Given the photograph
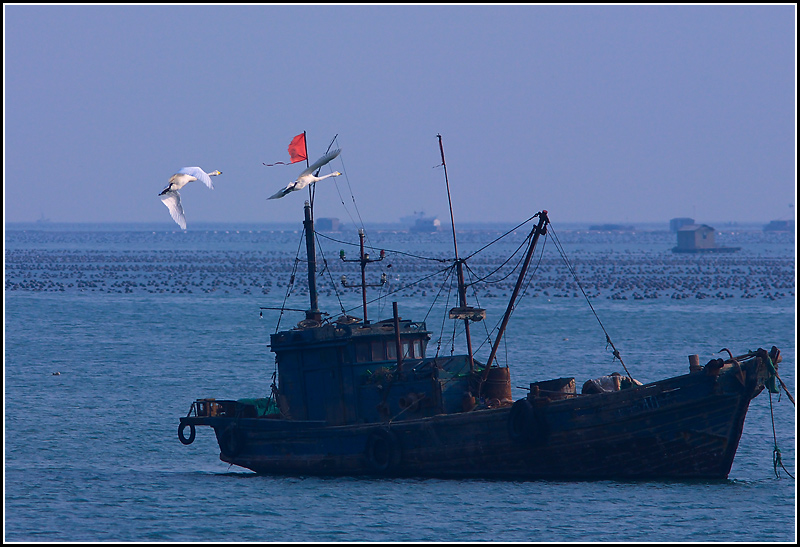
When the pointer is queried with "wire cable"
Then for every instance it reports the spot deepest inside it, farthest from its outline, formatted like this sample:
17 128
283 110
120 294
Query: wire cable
575 277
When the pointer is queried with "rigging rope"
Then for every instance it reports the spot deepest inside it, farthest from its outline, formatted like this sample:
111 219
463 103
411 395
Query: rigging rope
776 452
360 223
446 305
514 269
291 280
449 272
475 295
370 247
333 283
575 277
352 197
530 280
342 200
483 280
502 236
453 339
786 389
403 287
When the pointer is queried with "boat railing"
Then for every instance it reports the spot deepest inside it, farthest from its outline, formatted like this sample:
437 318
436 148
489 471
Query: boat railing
212 408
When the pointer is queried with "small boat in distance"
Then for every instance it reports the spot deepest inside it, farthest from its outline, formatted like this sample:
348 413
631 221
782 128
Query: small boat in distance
418 222
354 397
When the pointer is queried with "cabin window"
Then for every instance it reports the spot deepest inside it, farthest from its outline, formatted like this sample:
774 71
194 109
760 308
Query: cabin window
377 351
391 350
406 350
418 349
362 352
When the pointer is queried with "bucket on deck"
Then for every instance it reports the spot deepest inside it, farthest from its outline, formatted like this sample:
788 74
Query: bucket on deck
497 385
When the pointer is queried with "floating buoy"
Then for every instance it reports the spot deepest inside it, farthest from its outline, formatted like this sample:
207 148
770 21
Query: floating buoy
56 373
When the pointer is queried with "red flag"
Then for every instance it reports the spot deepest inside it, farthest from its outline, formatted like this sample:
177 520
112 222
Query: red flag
297 150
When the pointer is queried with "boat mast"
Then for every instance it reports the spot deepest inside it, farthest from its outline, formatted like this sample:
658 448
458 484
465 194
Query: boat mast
462 288
313 313
538 230
310 194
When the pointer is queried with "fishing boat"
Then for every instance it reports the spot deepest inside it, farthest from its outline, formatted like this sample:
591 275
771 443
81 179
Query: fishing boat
353 397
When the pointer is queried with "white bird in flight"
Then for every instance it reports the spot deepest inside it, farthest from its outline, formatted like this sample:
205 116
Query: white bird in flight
171 197
307 177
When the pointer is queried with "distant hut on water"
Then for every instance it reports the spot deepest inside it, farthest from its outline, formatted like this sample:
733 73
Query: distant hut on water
699 238
779 226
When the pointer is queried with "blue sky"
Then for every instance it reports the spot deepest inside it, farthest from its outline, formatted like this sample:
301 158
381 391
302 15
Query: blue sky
595 113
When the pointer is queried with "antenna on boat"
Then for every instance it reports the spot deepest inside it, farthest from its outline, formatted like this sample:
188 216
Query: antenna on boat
364 260
462 311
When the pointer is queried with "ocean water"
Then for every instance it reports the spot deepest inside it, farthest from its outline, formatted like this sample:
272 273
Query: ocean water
139 321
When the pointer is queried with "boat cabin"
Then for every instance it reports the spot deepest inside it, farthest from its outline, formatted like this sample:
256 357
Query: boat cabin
349 372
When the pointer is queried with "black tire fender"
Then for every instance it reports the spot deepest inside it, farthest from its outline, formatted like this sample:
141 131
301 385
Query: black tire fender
383 451
182 437
526 424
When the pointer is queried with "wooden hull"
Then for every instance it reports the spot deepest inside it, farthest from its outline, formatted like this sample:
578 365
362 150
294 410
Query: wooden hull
683 427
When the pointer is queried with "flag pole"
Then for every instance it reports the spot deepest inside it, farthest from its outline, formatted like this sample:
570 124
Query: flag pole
310 195
305 143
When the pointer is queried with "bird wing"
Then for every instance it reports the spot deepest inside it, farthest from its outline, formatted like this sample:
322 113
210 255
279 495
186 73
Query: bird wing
320 162
172 200
283 191
199 174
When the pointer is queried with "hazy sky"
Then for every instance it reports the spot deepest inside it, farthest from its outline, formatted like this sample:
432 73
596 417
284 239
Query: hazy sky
599 114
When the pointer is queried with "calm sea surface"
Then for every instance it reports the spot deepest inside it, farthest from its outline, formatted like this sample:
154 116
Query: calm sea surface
140 321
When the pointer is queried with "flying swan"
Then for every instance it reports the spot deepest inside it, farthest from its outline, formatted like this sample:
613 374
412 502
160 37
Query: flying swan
171 197
306 177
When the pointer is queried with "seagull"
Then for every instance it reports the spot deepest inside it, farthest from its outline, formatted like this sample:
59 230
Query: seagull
171 197
306 177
